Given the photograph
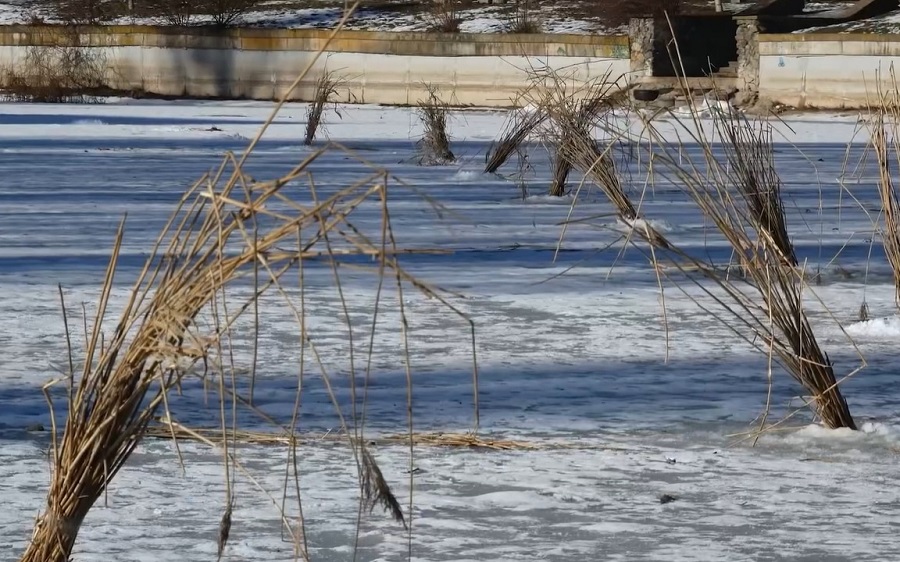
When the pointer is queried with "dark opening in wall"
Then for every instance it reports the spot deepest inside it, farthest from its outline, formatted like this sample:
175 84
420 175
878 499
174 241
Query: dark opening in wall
705 43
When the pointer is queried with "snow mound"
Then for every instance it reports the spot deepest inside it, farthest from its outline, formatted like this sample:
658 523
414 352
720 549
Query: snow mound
876 328
706 108
659 226
869 432
546 198
466 175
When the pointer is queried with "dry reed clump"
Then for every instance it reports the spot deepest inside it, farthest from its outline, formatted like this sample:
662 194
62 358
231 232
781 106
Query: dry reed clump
519 126
211 241
885 143
751 160
523 20
326 90
740 196
228 12
573 115
90 12
65 73
564 117
227 229
574 124
443 16
434 146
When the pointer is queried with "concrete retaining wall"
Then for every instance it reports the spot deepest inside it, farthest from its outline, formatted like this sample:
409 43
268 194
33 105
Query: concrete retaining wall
386 68
826 70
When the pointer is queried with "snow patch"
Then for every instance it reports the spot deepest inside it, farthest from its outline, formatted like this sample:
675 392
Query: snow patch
642 225
544 198
705 108
467 175
88 122
876 328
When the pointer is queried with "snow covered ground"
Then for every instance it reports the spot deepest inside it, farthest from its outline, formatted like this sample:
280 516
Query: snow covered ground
562 16
384 16
888 23
574 363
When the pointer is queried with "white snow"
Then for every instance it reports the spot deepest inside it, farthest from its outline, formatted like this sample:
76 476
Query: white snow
474 19
570 339
876 328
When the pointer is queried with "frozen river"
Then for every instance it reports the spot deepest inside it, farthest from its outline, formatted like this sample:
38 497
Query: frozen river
572 357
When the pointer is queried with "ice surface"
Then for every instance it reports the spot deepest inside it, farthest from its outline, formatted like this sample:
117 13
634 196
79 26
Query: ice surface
570 339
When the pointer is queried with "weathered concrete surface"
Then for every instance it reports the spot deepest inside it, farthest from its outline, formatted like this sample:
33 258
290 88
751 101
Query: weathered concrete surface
826 71
747 38
373 67
641 32
259 39
366 78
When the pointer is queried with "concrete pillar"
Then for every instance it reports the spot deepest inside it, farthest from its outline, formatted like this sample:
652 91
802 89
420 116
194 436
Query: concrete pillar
747 38
641 35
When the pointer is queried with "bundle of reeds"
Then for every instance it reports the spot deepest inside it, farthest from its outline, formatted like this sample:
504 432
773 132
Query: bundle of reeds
434 146
574 118
226 228
207 244
885 142
741 197
749 152
326 90
577 148
522 122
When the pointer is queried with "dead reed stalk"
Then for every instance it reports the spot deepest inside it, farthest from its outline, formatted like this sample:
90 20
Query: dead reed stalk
885 130
63 73
204 249
749 150
326 89
434 146
742 201
444 16
523 20
226 229
522 122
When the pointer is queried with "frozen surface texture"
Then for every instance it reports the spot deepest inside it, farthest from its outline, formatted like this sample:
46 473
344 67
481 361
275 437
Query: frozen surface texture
572 353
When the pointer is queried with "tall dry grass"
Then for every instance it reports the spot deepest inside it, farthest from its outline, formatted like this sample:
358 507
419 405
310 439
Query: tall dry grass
735 185
325 91
737 189
443 16
227 229
750 156
885 143
434 146
63 73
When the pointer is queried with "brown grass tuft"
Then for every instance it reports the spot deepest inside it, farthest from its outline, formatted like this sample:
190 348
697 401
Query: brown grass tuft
885 141
227 228
326 89
376 490
64 73
766 306
523 20
434 146
443 16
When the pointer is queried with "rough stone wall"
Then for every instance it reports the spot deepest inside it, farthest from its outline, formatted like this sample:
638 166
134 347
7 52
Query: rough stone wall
748 58
641 32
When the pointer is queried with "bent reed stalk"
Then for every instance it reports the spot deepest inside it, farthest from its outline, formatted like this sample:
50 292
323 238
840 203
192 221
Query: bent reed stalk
205 247
741 196
736 186
885 144
227 228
